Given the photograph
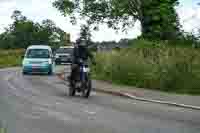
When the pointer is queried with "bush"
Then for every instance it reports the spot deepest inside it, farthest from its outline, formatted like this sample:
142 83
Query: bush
163 68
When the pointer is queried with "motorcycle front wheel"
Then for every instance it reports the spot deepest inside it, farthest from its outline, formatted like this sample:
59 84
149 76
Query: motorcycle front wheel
72 90
87 89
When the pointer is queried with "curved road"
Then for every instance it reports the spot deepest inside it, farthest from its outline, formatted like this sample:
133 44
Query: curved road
39 104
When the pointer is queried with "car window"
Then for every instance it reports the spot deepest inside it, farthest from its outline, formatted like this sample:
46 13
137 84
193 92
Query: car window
64 50
38 53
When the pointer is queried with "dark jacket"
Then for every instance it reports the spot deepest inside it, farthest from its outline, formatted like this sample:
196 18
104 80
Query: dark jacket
81 52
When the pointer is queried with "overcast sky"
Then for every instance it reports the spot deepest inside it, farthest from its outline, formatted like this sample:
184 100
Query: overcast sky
38 10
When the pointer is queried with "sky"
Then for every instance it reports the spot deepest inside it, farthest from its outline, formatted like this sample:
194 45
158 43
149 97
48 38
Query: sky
38 10
189 14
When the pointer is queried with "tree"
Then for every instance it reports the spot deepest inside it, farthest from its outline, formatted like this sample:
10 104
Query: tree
17 16
158 17
85 34
24 32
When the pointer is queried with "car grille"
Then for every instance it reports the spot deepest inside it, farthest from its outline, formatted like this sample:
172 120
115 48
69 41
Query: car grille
36 62
36 69
63 56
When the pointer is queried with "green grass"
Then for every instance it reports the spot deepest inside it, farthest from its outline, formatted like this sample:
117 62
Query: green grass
163 68
10 58
142 43
2 130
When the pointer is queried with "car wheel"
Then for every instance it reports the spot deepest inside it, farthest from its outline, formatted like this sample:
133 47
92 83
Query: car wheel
50 71
24 72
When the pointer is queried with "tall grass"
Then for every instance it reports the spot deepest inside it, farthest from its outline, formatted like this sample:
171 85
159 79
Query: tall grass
10 58
162 68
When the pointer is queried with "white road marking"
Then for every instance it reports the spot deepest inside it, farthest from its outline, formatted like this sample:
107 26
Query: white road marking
90 112
94 93
11 86
31 116
58 103
134 103
162 102
59 115
7 78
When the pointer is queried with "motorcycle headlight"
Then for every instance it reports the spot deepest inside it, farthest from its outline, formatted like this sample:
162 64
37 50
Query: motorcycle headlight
56 56
50 61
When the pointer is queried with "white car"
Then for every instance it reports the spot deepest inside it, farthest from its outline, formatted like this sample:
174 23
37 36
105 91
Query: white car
64 54
38 59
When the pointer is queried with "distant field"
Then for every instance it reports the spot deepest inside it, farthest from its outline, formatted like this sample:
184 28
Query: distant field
10 58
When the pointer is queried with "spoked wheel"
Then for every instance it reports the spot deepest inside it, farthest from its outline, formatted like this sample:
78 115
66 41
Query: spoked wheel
72 91
87 90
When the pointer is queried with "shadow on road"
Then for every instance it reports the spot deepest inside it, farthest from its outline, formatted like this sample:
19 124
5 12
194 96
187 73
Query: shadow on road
38 74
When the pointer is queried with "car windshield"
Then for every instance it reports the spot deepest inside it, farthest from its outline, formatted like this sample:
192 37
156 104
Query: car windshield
64 50
38 53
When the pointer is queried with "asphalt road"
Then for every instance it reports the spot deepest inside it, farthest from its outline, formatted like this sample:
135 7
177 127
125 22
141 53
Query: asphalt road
39 104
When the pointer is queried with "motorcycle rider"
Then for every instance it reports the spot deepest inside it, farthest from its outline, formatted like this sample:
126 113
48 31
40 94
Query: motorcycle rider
80 52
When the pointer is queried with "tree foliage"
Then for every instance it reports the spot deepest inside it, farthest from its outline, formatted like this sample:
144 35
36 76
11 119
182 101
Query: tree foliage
158 18
24 32
85 34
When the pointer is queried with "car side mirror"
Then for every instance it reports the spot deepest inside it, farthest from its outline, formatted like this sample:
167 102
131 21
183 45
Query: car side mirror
22 56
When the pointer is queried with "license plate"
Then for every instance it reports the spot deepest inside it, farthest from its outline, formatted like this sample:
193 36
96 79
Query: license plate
78 85
63 59
35 66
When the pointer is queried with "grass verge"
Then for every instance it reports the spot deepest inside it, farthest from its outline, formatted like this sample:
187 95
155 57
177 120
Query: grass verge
163 68
10 58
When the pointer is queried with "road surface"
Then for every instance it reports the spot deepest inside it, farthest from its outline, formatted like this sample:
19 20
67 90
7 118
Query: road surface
39 104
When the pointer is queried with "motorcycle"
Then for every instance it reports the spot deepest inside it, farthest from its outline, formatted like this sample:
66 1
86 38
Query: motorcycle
82 83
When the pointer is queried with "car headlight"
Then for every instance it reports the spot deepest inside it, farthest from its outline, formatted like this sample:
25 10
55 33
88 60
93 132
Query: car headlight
46 62
25 62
